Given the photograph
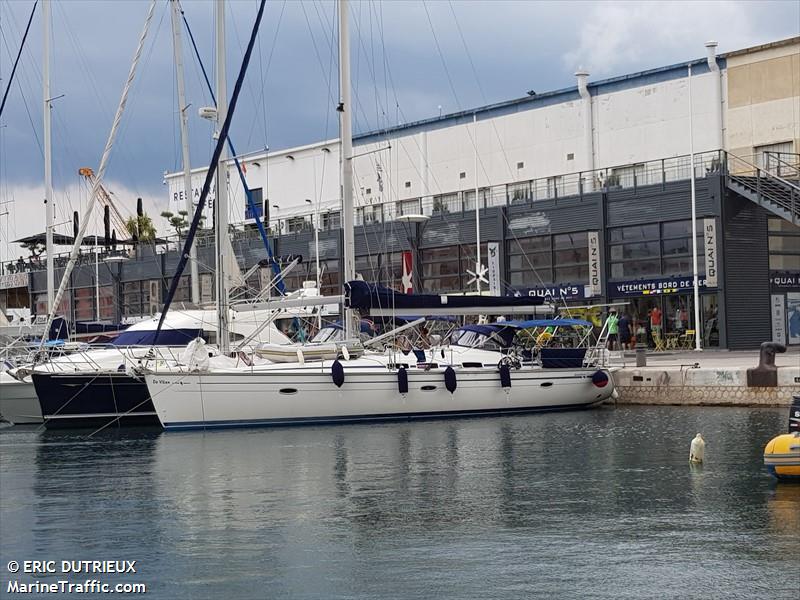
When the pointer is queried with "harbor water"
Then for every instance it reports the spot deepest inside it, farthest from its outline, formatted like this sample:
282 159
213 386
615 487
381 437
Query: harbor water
592 504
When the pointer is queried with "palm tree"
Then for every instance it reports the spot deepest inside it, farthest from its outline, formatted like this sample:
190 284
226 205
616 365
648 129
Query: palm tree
141 227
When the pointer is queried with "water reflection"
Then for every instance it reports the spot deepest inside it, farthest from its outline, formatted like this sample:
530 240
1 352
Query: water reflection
407 510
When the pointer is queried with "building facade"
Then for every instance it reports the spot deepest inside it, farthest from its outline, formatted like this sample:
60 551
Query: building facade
584 194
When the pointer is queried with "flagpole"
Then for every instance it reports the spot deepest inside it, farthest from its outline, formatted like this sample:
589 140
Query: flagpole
695 276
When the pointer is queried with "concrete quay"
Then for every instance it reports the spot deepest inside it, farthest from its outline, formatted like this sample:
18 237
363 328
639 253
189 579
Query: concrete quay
707 378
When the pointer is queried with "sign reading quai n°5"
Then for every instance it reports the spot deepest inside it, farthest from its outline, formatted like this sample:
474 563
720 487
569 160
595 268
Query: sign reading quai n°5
594 288
710 250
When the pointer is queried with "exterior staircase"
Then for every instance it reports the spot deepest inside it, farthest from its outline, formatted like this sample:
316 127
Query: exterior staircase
775 193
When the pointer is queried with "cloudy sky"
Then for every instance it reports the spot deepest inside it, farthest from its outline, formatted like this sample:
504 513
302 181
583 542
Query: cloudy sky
410 60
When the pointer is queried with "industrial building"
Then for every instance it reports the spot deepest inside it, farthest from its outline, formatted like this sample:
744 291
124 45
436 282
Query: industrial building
584 196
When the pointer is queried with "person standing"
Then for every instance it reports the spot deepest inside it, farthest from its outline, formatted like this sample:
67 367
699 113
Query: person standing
612 325
624 326
655 320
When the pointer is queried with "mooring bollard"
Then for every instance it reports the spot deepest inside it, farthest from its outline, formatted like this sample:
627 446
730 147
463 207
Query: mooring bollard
641 357
766 373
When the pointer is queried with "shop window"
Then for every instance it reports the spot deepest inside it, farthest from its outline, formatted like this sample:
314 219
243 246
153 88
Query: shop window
635 269
635 251
784 262
469 258
570 240
784 243
677 246
781 225
681 266
576 273
677 229
633 233
369 268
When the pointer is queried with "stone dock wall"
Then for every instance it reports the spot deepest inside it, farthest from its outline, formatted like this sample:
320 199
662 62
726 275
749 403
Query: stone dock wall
702 387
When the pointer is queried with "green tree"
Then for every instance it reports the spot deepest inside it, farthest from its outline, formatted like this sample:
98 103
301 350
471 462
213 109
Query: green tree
141 228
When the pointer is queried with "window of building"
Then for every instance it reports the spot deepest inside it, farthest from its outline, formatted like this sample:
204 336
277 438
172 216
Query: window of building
530 261
331 220
257 194
408 184
654 250
571 257
369 214
446 203
633 232
469 198
139 297
441 270
84 304
297 224
784 245
520 165
519 193
369 268
409 207
462 175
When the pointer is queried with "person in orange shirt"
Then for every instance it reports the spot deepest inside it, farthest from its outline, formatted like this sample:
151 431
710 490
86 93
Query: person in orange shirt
655 319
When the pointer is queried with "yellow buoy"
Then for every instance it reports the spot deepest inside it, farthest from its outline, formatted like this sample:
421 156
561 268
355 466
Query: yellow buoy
697 450
782 456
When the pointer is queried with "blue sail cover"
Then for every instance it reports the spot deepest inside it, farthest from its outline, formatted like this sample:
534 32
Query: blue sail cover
363 296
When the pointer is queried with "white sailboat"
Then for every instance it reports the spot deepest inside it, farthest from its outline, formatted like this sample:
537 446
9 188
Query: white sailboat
453 380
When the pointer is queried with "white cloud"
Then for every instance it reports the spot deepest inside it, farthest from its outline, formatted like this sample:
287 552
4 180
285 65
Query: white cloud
616 37
26 211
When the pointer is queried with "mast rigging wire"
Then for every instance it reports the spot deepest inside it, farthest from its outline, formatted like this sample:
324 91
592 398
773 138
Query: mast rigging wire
223 138
16 60
65 279
276 268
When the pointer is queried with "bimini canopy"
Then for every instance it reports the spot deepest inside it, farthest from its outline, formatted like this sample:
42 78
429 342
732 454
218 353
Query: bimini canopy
493 331
546 323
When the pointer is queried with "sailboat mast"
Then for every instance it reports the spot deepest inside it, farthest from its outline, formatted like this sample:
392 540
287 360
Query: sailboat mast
184 120
221 202
50 208
346 136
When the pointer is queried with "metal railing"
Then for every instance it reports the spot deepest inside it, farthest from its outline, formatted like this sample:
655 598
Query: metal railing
564 186
770 189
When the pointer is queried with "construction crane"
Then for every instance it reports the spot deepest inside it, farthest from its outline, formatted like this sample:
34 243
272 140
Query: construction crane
105 197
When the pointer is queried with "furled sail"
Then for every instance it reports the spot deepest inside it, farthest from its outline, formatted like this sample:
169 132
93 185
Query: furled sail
365 296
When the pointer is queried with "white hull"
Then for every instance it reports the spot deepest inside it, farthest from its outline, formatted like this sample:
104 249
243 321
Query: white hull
18 401
302 395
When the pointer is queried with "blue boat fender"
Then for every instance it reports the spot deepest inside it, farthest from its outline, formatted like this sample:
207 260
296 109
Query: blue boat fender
402 380
337 373
450 379
505 376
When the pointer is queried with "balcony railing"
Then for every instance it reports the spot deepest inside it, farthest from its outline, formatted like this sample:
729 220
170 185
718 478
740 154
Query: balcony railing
566 186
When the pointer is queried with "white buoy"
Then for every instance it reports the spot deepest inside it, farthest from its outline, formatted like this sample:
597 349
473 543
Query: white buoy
697 450
301 357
